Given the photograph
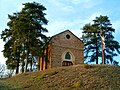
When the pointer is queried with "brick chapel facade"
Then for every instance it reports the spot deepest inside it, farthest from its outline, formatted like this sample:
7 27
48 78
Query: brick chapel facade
64 49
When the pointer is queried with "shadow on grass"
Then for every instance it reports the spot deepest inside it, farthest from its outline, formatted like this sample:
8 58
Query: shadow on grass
4 86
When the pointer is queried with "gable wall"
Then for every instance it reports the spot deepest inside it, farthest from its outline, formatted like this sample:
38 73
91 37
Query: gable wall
60 44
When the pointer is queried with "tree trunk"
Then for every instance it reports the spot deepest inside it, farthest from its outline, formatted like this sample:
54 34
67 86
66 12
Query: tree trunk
17 67
23 65
26 61
27 58
96 55
31 65
18 61
96 52
38 64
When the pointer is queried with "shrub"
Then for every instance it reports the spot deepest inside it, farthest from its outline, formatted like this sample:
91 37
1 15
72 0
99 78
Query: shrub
87 66
53 72
82 73
77 84
41 76
45 75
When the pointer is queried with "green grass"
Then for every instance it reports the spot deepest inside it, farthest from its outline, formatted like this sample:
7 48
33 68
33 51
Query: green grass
79 77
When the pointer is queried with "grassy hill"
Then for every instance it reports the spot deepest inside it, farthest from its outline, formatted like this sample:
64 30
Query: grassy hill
78 77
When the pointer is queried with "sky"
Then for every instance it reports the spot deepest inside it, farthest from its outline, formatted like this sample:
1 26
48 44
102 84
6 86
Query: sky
65 14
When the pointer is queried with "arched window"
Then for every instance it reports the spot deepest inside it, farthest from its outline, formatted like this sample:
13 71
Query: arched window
67 56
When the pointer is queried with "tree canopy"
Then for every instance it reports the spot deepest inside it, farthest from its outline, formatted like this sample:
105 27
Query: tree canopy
92 41
24 38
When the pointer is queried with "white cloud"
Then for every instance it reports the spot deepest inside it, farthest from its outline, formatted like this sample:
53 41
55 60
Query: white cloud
91 3
55 2
116 25
2 59
98 13
61 5
94 15
76 2
86 3
60 25
68 9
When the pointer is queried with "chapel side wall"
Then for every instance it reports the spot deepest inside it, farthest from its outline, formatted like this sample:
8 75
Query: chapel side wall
56 56
60 44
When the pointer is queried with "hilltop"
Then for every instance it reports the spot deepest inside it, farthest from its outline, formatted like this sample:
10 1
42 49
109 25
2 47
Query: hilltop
78 77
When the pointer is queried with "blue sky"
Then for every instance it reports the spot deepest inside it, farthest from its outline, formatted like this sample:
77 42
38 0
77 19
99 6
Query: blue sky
66 14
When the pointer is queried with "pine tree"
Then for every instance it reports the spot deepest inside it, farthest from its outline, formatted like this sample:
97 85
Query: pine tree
25 37
92 41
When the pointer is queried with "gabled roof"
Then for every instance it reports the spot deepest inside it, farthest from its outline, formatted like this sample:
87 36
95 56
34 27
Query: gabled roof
64 32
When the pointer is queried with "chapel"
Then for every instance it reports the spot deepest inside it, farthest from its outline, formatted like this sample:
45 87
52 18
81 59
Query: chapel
63 49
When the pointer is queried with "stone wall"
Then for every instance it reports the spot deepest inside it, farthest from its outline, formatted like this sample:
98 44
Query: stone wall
64 42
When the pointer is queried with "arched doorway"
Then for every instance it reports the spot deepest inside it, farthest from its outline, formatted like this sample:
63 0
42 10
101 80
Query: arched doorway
67 58
67 63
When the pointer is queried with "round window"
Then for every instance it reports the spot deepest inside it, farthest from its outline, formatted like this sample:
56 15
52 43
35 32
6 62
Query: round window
68 36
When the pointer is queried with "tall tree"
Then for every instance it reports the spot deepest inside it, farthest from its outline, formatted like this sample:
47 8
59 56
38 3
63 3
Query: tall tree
25 37
92 34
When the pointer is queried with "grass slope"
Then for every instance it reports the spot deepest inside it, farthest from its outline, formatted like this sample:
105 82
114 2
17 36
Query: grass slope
78 77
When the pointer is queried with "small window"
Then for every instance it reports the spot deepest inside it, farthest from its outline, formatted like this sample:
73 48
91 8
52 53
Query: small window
68 36
67 56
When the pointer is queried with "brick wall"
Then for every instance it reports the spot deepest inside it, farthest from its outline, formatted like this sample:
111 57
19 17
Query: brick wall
60 44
